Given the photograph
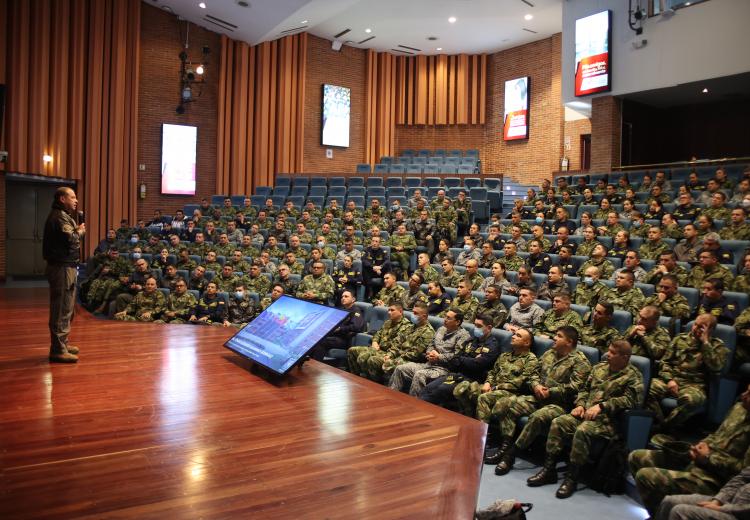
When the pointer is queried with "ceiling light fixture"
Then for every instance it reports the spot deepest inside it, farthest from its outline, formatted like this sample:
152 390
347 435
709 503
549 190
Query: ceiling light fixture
368 30
705 91
528 17
452 19
304 21
202 5
47 158
439 49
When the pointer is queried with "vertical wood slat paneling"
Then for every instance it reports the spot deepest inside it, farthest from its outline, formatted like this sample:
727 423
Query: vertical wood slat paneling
261 112
482 89
76 121
58 112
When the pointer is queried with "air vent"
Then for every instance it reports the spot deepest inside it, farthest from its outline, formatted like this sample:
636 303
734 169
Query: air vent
339 35
402 51
527 3
300 28
366 40
243 3
219 22
529 30
410 48
432 38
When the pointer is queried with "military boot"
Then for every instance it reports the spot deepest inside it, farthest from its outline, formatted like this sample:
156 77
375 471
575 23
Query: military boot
507 461
505 444
63 357
546 475
570 484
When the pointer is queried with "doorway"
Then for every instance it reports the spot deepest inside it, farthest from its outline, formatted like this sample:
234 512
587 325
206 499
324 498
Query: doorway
585 151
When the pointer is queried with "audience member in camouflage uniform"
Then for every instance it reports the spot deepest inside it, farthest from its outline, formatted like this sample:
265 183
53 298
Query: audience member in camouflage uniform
147 305
625 296
402 246
652 248
713 461
512 261
317 287
414 295
598 259
646 337
683 372
412 350
667 265
241 308
554 285
492 307
669 302
464 301
449 277
590 290
709 267
560 314
226 281
562 372
425 270
179 305
448 340
472 274
390 293
599 334
391 335
737 228
612 386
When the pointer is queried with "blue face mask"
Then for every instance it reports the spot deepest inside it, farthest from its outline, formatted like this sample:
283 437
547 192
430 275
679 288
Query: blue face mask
239 295
478 333
588 281
636 223
135 256
133 240
321 244
467 248
539 220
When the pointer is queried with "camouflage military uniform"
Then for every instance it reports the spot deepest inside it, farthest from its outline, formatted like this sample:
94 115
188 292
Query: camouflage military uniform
550 322
590 296
226 284
260 284
721 213
300 253
698 275
143 303
389 296
654 276
672 231
652 345
408 244
512 264
445 219
613 230
412 350
675 307
652 250
295 267
241 312
468 306
525 229
429 273
657 475
606 269
615 391
735 232
322 287
630 300
686 361
639 231
476 280
564 377
495 310
451 280
742 323
510 375
274 252
390 336
181 304
212 266
586 247
409 299
546 246
289 285
103 285
548 291
598 338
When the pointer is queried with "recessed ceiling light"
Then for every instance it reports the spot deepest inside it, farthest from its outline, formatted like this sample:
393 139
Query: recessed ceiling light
452 19
439 49
368 30
705 91
303 21
202 5
528 17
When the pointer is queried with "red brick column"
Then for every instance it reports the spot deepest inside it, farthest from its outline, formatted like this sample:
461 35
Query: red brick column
606 132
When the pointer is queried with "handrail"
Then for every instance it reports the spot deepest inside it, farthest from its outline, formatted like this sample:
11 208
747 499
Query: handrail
696 163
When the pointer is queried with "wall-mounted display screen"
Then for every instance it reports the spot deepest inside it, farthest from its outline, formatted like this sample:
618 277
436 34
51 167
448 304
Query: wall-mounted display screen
593 54
336 110
284 332
516 121
178 144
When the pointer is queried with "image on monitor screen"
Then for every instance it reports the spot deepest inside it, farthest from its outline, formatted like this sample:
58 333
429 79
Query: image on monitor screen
336 109
593 53
285 332
178 153
516 111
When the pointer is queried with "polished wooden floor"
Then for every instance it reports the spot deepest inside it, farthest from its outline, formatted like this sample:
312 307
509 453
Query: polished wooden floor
161 421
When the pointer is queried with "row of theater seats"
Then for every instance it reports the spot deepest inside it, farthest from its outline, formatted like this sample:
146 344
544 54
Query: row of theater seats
679 174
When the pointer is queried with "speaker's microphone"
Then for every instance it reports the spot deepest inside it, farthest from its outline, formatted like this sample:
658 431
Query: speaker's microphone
81 218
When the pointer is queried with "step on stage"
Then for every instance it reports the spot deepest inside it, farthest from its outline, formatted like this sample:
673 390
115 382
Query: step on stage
162 421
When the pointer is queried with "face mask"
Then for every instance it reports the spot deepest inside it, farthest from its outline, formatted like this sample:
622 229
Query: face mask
136 255
636 223
746 203
133 240
321 244
588 281
478 333
239 295
394 208
467 249
539 220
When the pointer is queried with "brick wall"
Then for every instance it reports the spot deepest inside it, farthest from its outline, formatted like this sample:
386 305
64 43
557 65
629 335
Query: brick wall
159 95
347 68
574 130
605 133
528 160
533 159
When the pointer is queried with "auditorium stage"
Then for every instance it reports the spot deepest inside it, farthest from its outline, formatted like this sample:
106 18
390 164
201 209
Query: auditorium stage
162 421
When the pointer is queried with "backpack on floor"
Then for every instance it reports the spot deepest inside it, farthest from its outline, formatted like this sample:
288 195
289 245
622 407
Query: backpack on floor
608 476
504 510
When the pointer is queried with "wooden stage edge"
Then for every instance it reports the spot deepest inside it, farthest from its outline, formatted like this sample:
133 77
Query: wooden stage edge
162 421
